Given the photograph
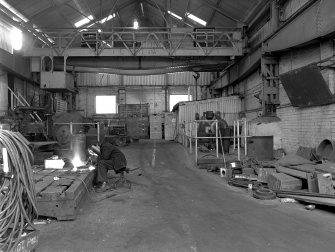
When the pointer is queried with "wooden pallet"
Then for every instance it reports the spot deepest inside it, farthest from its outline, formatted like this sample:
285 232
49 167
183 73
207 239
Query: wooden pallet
60 198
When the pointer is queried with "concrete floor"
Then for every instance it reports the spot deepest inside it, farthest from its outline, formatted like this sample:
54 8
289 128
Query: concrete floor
175 207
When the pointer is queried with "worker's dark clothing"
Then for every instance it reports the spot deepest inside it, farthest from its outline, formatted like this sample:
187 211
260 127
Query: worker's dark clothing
110 158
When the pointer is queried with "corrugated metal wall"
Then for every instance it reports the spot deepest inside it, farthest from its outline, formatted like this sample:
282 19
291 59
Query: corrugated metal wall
186 78
100 79
230 106
173 79
152 80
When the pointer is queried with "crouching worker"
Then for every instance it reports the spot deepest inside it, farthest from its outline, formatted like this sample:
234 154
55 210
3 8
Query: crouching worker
109 158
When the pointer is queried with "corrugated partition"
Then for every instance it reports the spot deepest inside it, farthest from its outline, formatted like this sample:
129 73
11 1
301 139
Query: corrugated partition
231 107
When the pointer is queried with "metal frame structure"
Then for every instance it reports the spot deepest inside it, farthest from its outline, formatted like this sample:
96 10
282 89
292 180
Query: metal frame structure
71 127
142 42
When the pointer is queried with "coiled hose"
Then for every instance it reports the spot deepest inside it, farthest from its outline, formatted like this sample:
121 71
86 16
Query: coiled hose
17 191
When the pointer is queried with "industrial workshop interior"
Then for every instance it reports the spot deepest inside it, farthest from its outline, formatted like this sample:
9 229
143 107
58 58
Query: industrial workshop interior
167 125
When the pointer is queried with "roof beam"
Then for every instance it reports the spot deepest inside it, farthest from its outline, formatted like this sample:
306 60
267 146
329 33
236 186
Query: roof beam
223 12
213 13
45 11
163 9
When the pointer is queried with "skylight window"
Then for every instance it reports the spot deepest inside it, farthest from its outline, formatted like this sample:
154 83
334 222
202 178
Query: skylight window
13 10
196 19
16 37
107 18
84 21
175 15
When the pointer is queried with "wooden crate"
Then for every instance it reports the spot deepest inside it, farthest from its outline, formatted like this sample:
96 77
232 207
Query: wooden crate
60 198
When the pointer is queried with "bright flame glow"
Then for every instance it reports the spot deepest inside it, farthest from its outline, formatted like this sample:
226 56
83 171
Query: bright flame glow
83 21
175 15
107 18
196 19
16 37
136 25
77 162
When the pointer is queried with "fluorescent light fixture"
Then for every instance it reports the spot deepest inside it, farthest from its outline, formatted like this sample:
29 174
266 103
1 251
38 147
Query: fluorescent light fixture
196 19
90 25
16 37
83 21
175 15
136 24
13 10
142 9
107 18
50 39
107 44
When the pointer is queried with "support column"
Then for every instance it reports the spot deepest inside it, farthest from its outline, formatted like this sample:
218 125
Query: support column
270 89
3 93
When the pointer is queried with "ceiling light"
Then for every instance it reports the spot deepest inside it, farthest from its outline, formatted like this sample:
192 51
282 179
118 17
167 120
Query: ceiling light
16 37
99 30
196 19
107 18
136 24
175 15
13 10
84 21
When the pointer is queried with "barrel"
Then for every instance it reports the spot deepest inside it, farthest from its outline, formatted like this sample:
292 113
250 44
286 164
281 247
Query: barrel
326 150
78 145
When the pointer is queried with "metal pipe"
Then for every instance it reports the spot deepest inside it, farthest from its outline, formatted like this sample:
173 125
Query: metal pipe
245 136
71 128
216 138
196 143
98 132
190 137
238 141
234 135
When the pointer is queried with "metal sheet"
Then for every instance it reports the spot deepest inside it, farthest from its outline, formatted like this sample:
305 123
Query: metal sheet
306 87
316 21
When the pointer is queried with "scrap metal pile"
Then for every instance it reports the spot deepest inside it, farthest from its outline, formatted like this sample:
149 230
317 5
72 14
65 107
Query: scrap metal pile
306 176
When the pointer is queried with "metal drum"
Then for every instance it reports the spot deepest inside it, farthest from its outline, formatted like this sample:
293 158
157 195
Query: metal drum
78 145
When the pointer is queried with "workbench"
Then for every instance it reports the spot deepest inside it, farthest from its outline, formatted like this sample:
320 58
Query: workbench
60 198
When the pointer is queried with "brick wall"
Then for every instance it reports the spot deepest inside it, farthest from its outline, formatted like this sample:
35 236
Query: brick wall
306 126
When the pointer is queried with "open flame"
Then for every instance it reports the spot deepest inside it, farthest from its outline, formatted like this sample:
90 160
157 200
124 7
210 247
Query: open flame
77 162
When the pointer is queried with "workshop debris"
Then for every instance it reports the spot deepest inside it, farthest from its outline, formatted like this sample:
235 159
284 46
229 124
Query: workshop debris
310 207
301 177
283 181
287 200
264 194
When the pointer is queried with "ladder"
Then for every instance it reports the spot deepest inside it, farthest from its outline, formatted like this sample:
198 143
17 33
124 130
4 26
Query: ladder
22 101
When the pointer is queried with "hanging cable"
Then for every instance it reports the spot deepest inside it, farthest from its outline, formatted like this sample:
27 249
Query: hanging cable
17 191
